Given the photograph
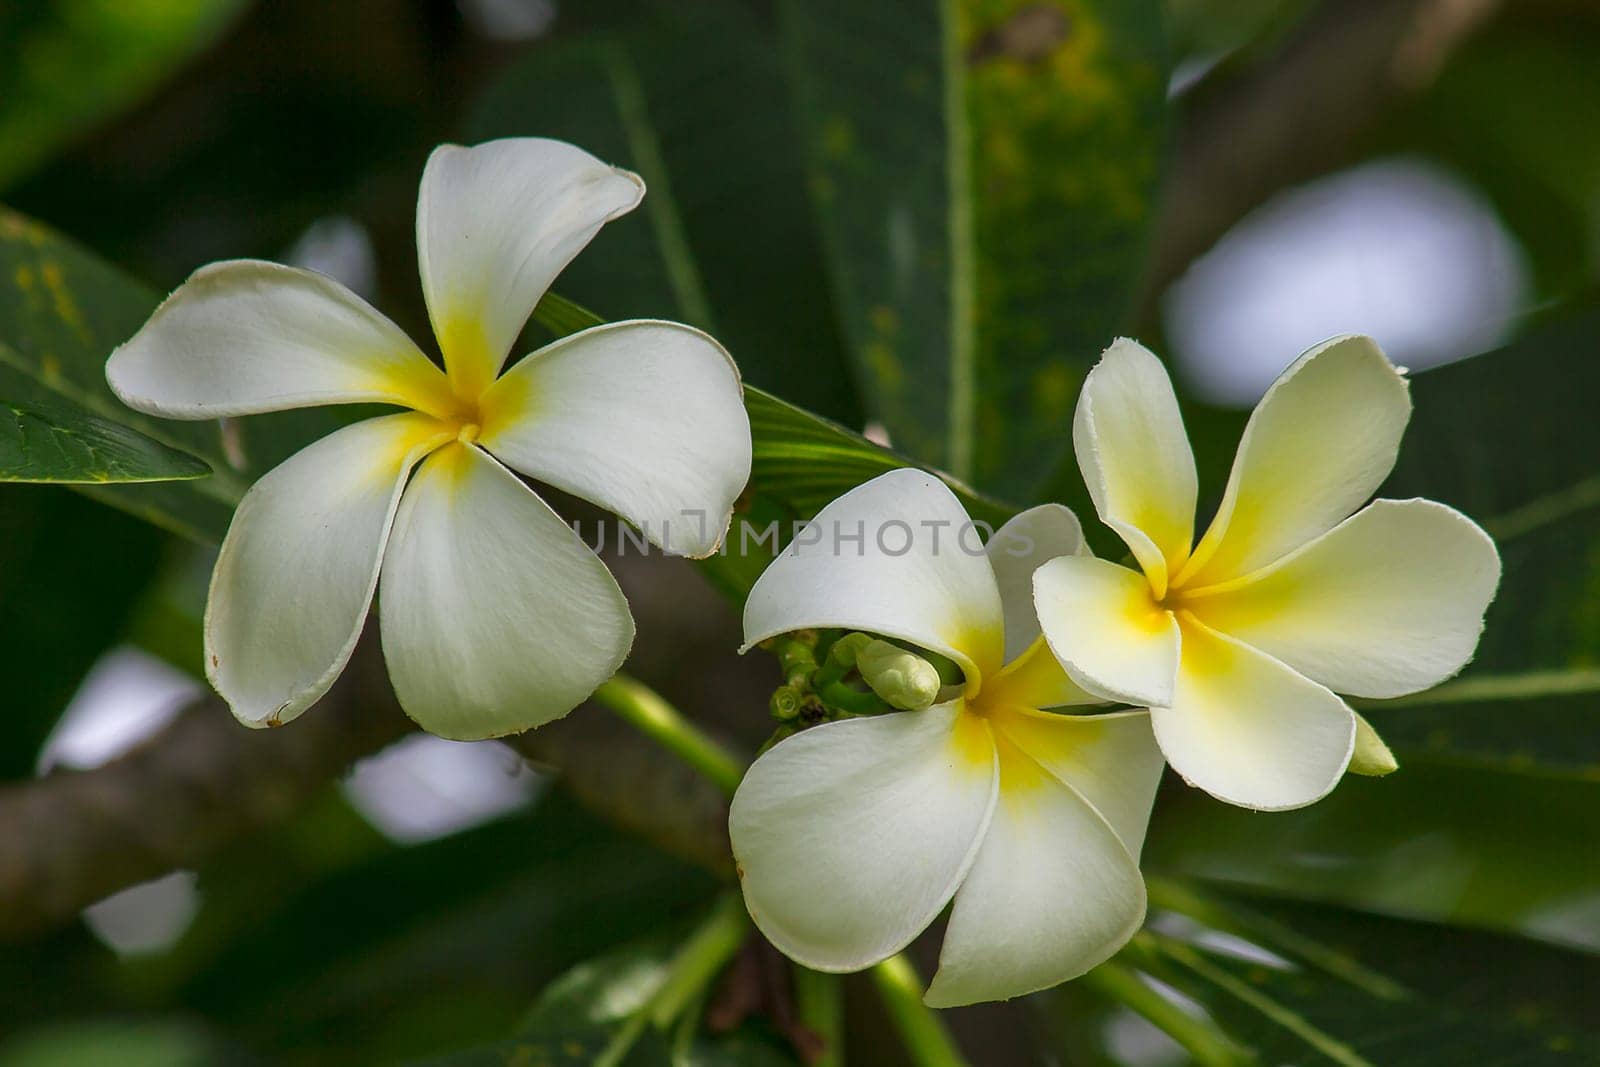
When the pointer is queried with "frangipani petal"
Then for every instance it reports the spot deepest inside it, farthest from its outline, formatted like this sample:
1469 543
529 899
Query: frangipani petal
851 836
644 418
495 224
495 616
291 586
1135 457
245 336
1388 602
1250 731
1110 760
1103 626
1052 893
1316 447
887 557
1029 539
1036 680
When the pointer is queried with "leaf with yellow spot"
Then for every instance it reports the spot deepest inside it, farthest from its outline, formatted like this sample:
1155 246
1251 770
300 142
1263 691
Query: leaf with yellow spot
991 166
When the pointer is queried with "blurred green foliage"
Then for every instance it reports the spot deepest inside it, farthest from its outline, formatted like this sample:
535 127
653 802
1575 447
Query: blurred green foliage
67 66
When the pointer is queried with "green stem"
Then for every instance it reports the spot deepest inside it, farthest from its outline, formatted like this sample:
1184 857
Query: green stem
643 708
700 958
696 963
927 1041
843 697
1206 1045
819 1001
682 1050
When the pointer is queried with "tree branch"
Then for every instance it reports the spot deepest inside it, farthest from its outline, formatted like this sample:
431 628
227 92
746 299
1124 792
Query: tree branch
74 837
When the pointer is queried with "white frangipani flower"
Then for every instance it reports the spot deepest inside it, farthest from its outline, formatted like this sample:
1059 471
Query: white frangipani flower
495 617
1238 644
852 836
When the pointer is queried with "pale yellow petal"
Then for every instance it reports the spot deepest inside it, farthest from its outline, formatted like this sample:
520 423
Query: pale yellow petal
1036 679
1250 731
1107 631
1052 893
1388 602
496 223
1111 760
1317 446
1017 549
1135 457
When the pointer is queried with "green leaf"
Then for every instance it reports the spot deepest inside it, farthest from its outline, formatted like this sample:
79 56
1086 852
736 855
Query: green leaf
1510 438
60 444
800 462
694 99
1474 971
62 312
68 65
984 172
1290 999
604 990
1431 842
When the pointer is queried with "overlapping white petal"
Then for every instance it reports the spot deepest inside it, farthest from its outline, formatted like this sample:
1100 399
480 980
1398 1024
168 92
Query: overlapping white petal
1316 447
495 616
1111 760
495 224
1388 602
246 336
1018 548
1036 679
1249 730
291 586
885 557
1052 893
644 418
1135 457
852 836
1107 631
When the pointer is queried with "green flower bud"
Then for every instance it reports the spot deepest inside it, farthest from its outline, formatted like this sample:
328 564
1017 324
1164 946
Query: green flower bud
785 703
1372 757
845 650
903 679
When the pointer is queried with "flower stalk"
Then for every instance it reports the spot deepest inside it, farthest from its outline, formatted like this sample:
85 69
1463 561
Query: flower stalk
700 959
819 1003
645 709
926 1039
1121 983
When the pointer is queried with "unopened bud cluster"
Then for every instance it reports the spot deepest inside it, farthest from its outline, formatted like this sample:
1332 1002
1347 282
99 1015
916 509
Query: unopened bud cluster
832 676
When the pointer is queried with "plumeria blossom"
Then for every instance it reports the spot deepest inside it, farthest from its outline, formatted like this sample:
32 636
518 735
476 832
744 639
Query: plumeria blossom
495 617
1239 643
852 836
